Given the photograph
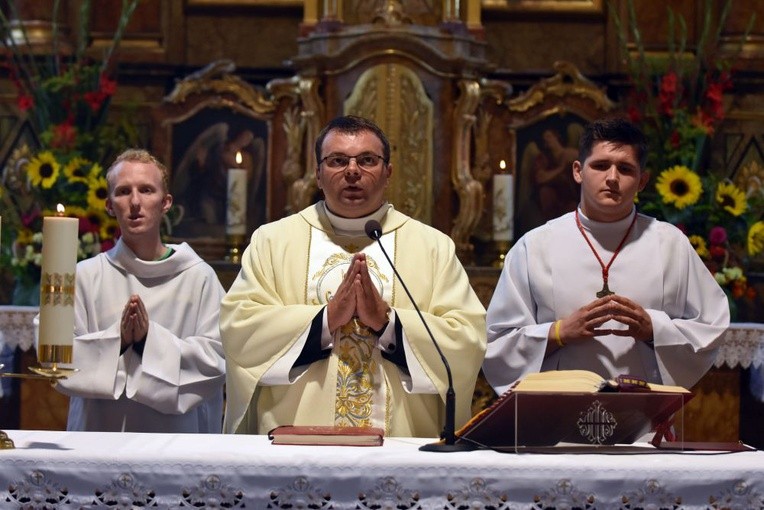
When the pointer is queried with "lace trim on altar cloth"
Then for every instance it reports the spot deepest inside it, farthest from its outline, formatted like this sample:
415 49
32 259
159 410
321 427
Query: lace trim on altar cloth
742 345
16 327
38 491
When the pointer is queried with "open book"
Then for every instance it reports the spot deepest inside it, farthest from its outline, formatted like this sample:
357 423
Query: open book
584 381
327 435
573 407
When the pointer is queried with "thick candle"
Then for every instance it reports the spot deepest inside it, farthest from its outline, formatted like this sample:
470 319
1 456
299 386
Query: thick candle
503 205
59 261
236 205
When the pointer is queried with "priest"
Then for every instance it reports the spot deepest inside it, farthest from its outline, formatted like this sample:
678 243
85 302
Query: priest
605 288
317 329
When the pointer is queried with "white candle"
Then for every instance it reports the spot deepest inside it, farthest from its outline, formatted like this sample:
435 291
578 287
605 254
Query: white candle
236 206
59 262
503 205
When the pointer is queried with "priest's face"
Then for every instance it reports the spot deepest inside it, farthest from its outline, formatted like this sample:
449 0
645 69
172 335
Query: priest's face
352 174
610 178
137 198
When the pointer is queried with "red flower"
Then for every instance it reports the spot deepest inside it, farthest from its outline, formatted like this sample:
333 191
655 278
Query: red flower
738 289
668 83
94 100
64 135
86 226
634 114
108 87
25 102
717 235
107 245
667 93
675 140
717 252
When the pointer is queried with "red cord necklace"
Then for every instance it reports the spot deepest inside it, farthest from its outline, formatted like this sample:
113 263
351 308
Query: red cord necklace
605 268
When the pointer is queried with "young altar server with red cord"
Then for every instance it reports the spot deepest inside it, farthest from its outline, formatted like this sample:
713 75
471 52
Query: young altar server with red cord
605 288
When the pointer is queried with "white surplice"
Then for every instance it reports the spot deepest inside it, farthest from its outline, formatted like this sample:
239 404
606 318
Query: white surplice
177 384
551 272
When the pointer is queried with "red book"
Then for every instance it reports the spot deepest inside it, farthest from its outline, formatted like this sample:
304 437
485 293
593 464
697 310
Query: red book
327 435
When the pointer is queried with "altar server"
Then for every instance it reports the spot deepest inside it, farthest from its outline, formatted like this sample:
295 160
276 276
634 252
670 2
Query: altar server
147 343
605 288
317 329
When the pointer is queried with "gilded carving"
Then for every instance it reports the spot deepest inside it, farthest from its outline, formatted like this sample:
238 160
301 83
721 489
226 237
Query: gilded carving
567 82
393 96
299 167
750 178
216 78
470 191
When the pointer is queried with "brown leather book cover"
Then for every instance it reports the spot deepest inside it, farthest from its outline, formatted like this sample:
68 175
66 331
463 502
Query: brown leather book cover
327 435
610 415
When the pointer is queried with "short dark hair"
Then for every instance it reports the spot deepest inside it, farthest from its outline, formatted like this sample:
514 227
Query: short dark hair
616 130
352 124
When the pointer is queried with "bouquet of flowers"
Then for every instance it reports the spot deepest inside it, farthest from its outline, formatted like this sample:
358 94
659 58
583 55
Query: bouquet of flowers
678 101
65 96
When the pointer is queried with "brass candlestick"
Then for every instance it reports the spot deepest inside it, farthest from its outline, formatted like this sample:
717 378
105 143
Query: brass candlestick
49 357
235 243
52 373
502 247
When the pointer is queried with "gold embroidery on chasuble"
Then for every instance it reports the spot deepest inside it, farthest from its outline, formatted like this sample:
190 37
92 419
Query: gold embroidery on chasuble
361 393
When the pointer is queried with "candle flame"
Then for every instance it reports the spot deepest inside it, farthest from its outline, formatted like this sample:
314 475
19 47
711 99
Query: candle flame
60 209
238 158
502 165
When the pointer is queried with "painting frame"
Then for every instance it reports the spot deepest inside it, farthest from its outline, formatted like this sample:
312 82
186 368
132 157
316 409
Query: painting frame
208 121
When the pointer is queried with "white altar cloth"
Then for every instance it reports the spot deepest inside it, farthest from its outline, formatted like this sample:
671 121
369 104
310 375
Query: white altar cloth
67 470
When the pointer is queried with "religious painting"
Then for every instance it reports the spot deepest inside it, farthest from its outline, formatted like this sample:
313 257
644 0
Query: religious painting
546 7
545 152
203 149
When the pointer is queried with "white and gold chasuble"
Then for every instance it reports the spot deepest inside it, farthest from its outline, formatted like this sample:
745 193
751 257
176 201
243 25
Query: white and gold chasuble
362 396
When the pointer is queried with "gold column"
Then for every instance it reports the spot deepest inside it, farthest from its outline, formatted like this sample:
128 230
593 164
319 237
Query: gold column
310 12
450 11
332 10
473 14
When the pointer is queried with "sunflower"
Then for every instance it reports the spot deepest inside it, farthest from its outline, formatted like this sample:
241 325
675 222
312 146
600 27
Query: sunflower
43 170
77 169
98 193
96 171
680 186
109 228
731 198
95 219
756 238
700 246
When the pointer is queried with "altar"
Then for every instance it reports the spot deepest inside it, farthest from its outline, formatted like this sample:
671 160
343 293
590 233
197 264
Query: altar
67 470
714 413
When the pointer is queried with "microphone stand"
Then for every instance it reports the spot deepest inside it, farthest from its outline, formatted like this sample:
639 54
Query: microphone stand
448 435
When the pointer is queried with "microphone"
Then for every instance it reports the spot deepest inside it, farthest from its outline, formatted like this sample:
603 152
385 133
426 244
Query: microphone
374 231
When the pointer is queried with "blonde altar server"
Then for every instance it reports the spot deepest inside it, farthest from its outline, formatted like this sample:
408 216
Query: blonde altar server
605 288
147 343
316 329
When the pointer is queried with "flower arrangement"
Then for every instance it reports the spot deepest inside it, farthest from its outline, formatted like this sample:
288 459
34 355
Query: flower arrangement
678 101
65 96
35 184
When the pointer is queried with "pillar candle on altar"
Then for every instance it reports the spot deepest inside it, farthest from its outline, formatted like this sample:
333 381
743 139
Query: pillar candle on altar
59 262
503 204
236 205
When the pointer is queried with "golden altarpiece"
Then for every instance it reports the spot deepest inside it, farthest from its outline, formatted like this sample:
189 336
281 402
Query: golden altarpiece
419 72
